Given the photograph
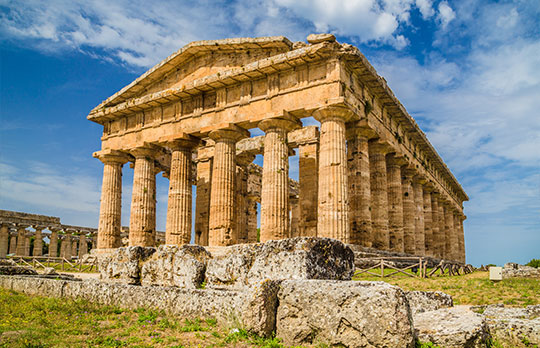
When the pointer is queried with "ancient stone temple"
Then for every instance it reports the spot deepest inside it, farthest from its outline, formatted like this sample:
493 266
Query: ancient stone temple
367 175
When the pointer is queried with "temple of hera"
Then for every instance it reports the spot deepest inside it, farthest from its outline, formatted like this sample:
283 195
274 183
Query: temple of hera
367 174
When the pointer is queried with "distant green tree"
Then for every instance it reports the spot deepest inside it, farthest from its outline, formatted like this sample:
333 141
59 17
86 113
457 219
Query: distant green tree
534 263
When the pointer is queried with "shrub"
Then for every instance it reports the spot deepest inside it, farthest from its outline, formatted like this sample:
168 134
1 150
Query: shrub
534 263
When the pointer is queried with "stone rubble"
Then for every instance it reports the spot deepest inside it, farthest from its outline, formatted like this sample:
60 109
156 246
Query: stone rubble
512 270
425 301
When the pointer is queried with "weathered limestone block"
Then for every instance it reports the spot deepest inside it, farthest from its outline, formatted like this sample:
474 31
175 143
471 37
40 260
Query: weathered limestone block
425 301
259 314
318 38
9 267
183 266
343 314
456 327
123 264
513 327
294 258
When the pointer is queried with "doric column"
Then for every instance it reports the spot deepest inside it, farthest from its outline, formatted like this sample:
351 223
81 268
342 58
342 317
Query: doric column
74 247
27 245
380 238
456 237
419 223
252 219
110 210
295 217
38 241
428 220
359 184
308 175
142 222
202 200
442 229
178 227
4 239
395 202
333 209
21 239
67 247
448 231
241 198
435 227
462 238
409 211
53 243
13 240
222 229
83 245
275 179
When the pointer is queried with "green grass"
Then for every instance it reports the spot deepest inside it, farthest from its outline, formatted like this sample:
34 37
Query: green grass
473 289
34 321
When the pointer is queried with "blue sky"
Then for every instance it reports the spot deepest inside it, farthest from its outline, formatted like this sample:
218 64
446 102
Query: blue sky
468 71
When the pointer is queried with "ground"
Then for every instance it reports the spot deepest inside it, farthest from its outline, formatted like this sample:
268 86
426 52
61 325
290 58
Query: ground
31 321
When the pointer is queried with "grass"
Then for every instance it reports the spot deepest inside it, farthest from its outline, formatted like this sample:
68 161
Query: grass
472 289
33 321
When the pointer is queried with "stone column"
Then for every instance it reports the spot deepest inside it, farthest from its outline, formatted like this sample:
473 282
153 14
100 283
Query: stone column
252 219
448 231
442 229
462 239
142 222
308 175
395 202
13 241
53 243
359 186
241 199
435 227
38 241
222 229
275 179
74 247
178 228
110 210
83 245
333 210
379 195
21 239
4 239
419 223
27 246
409 211
428 221
66 247
202 201
295 216
456 237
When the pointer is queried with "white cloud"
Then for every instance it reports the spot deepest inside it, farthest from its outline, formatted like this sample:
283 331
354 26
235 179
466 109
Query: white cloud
426 8
446 14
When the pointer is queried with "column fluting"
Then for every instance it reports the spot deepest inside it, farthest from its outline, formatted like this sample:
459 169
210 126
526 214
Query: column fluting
241 198
275 179
419 223
142 222
428 220
395 202
333 195
4 240
53 243
222 229
409 211
38 241
380 238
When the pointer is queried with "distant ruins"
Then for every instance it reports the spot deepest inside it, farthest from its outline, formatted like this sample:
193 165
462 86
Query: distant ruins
367 176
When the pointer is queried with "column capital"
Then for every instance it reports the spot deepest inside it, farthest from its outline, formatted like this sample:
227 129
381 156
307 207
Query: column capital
419 179
288 124
180 141
379 147
39 227
334 112
356 129
396 160
229 131
22 225
243 159
111 156
147 150
408 172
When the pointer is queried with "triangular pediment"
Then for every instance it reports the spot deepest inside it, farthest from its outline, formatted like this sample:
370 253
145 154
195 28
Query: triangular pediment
199 59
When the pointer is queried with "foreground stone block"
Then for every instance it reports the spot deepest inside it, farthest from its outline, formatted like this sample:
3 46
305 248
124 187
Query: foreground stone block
254 308
456 327
425 301
9 267
343 314
123 264
172 265
294 258
514 327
